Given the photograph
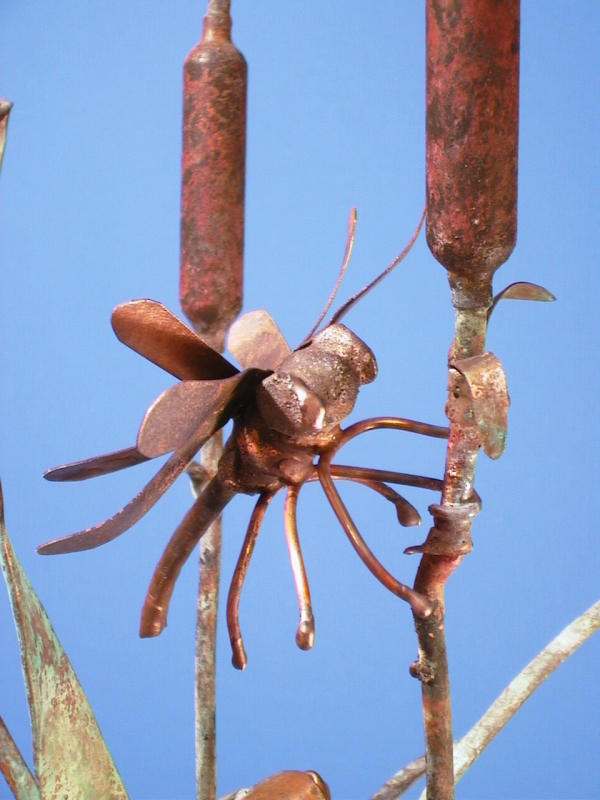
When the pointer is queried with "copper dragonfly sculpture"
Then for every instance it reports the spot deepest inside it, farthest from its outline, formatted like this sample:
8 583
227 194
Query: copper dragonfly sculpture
286 408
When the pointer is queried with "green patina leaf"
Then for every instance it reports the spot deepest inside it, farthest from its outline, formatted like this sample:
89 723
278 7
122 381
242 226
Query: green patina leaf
15 770
70 756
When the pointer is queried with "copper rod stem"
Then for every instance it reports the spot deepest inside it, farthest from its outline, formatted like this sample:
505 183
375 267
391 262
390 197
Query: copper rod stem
211 264
238 657
472 57
419 604
305 634
205 647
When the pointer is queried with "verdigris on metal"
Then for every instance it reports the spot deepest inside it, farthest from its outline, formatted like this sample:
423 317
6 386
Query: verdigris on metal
15 770
70 756
487 385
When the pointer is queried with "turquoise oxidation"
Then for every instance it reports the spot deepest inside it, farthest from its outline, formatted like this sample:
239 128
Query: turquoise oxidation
70 756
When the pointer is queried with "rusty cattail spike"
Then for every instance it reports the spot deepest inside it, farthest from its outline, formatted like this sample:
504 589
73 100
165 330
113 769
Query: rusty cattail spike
472 130
212 200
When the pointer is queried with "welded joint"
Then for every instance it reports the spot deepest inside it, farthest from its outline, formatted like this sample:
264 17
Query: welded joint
451 532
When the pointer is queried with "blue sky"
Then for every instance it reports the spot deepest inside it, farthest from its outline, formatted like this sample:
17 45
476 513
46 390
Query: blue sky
89 214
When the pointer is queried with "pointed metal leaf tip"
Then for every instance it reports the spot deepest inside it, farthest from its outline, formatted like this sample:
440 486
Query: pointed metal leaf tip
14 769
522 290
70 756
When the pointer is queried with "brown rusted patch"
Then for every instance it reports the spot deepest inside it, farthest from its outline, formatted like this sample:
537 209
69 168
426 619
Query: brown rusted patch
472 133
212 188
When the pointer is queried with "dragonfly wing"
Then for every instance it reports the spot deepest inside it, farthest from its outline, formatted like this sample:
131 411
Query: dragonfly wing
152 331
256 341
98 465
224 402
177 413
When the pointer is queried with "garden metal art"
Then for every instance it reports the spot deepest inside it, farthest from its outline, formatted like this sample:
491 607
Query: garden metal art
286 407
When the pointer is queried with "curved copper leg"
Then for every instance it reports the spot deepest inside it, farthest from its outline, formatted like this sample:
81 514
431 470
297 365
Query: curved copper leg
305 634
201 515
419 604
393 423
238 658
407 514
386 476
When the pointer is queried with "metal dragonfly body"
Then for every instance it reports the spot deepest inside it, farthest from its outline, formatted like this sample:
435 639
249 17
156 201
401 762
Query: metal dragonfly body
286 407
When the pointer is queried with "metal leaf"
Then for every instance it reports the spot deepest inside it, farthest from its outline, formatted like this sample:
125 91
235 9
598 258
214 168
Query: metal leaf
16 772
70 756
486 382
523 290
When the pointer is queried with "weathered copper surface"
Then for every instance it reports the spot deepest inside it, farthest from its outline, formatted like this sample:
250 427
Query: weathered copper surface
472 132
210 283
486 383
212 187
69 753
283 420
472 136
14 769
291 785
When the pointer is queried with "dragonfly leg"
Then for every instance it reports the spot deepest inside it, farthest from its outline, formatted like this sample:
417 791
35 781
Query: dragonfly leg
386 476
305 634
238 658
194 525
419 604
392 423
407 514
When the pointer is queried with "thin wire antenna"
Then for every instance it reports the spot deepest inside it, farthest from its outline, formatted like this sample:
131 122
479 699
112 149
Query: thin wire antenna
349 244
343 310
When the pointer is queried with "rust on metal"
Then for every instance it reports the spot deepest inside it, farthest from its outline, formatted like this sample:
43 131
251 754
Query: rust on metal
210 289
212 187
472 141
472 134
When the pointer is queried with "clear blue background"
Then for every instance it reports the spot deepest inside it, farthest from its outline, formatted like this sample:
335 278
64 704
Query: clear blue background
89 218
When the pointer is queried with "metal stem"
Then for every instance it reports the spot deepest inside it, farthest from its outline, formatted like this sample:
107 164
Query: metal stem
212 236
472 134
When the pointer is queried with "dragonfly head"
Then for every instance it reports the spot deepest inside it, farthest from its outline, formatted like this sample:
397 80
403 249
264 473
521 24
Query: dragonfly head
315 387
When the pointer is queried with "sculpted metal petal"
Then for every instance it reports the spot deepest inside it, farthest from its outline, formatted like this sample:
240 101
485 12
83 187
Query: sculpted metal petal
152 331
256 341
